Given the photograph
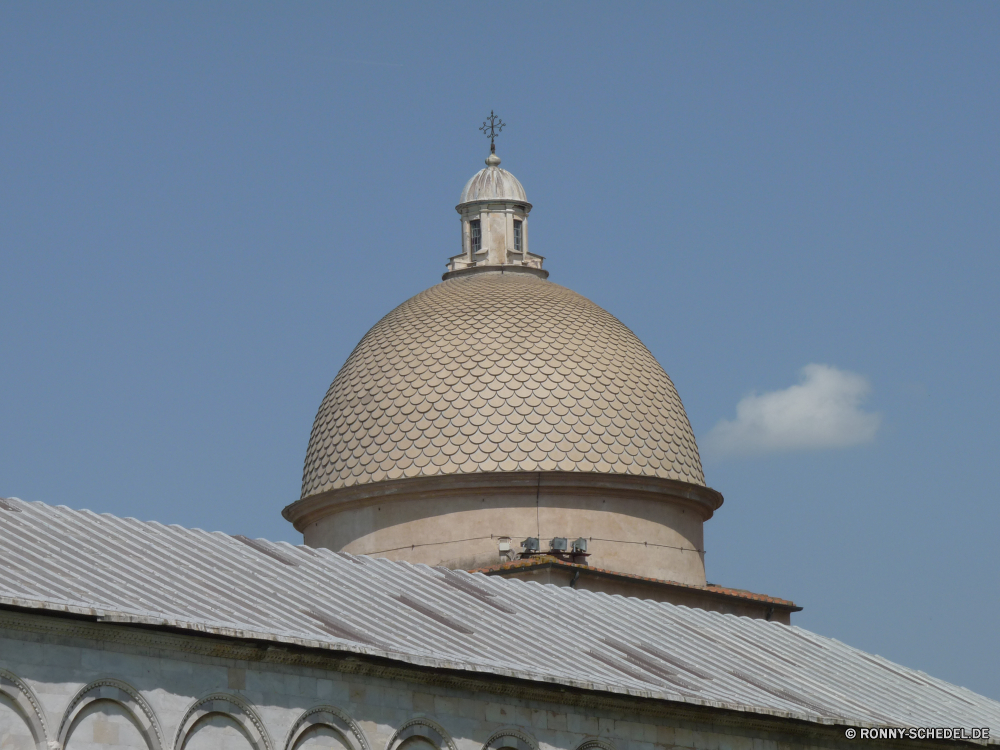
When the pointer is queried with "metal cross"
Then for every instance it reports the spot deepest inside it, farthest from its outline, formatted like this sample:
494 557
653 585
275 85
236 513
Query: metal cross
492 130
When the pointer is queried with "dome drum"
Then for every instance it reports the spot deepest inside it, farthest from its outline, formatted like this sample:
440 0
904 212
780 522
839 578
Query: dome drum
647 526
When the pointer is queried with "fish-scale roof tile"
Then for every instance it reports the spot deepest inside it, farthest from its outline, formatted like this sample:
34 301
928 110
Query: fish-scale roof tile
548 358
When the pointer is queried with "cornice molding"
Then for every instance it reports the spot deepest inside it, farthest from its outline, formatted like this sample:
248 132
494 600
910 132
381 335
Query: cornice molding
494 268
703 500
716 717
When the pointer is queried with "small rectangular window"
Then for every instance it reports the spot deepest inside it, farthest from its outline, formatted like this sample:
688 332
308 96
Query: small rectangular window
517 235
474 236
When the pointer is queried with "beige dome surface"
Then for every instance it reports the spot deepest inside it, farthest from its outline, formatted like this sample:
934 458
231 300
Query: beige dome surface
493 183
498 372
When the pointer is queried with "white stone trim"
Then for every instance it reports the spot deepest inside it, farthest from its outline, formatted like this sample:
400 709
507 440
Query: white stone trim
24 699
230 705
512 737
332 717
126 696
425 727
596 743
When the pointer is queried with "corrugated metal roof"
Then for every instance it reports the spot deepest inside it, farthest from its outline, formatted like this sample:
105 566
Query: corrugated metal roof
124 570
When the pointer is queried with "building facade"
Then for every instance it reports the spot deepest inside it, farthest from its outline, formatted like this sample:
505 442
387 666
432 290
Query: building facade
502 509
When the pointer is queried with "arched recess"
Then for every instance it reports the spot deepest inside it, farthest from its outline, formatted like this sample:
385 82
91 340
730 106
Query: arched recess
229 705
24 700
333 718
514 738
123 694
423 728
595 743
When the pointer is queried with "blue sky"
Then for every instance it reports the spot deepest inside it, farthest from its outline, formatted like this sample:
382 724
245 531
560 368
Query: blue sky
203 207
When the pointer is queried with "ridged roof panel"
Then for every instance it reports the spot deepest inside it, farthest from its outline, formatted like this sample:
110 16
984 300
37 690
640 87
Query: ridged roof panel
499 372
493 183
126 571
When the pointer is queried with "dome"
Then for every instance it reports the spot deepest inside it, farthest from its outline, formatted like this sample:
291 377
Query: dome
498 372
493 183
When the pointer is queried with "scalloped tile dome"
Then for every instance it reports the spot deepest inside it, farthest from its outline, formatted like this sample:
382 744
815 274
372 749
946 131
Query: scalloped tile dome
498 372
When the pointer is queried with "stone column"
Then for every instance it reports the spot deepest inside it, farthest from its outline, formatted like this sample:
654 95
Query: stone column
524 239
509 232
466 240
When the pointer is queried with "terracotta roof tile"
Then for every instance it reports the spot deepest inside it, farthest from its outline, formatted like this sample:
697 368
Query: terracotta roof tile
539 560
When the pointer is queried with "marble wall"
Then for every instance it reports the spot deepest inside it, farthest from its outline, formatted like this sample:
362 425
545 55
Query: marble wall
82 685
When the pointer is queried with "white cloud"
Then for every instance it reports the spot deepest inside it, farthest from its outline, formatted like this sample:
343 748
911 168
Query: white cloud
823 411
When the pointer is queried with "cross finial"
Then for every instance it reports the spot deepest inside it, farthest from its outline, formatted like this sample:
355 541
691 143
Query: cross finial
492 130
